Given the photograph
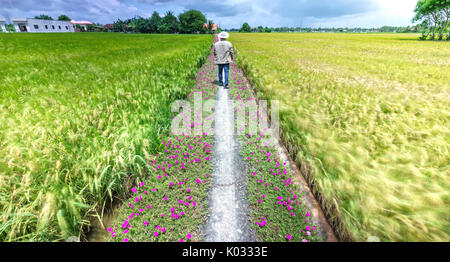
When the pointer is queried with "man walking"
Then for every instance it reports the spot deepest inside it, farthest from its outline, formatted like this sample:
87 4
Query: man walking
223 56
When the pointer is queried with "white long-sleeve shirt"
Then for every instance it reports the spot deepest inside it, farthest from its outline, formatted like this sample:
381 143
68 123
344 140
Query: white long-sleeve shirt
223 52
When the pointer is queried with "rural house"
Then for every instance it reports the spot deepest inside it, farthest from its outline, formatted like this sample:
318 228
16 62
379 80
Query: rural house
109 27
214 27
33 25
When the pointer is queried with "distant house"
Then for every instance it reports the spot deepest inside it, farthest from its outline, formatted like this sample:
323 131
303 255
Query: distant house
214 27
2 25
33 25
83 24
109 27
98 28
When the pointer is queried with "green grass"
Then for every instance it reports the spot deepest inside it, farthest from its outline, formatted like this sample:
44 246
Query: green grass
367 117
80 115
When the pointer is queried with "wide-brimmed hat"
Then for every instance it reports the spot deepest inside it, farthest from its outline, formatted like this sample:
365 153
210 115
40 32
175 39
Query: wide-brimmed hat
224 35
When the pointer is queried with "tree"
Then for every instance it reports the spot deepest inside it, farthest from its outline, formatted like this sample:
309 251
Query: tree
163 28
90 28
63 18
245 27
443 7
131 24
434 14
210 26
170 23
10 28
44 17
119 26
141 25
154 22
79 27
192 21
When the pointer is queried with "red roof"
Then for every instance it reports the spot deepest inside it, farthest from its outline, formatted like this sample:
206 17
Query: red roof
214 27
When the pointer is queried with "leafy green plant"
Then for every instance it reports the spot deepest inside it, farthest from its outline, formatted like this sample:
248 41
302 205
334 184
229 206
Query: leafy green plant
63 18
192 21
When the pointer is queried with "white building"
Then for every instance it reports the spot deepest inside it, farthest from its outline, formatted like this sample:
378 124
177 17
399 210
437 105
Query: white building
33 25
2 25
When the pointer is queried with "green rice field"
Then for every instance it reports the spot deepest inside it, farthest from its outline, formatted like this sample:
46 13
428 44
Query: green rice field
366 117
80 115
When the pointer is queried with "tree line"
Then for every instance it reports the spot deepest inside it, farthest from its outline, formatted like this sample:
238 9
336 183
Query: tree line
394 29
46 17
434 16
188 22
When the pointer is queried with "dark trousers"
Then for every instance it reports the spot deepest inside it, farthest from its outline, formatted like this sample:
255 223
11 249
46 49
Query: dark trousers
226 68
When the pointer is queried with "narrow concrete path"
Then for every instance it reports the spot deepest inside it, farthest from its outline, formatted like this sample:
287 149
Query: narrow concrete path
228 219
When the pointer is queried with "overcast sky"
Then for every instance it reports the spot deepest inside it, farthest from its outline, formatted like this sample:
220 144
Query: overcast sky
227 13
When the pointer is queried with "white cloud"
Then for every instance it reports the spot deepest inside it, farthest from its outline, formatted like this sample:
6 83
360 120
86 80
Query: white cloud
229 13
